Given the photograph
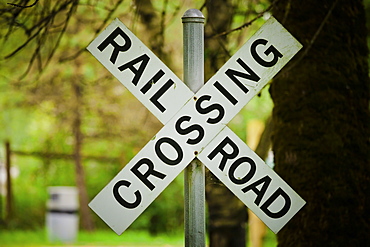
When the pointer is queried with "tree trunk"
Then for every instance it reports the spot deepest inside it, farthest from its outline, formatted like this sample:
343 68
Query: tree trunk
9 191
227 214
154 27
86 219
321 123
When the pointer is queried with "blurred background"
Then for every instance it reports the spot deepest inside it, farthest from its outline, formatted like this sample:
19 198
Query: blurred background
66 121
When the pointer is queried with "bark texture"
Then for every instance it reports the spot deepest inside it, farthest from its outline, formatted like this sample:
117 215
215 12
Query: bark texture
321 123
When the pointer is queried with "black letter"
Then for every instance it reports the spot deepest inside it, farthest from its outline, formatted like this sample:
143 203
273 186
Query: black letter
250 76
150 171
122 201
189 129
225 156
225 93
210 108
143 60
159 93
247 177
283 211
152 81
269 50
117 47
174 144
260 193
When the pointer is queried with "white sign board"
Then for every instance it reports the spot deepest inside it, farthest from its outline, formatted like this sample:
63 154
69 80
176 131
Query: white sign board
251 180
140 71
193 124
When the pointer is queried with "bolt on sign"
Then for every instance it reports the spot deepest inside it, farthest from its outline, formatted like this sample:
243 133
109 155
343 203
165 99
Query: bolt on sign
195 126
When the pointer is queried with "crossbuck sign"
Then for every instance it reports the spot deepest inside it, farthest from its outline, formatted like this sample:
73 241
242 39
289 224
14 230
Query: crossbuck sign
195 126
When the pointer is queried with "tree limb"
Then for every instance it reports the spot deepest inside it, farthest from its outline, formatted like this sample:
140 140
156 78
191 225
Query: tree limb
23 7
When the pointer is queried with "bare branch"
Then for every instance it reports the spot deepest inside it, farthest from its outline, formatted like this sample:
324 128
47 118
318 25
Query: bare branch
50 155
23 7
245 24
97 31
72 9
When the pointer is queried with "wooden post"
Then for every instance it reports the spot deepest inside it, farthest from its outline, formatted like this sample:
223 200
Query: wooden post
9 199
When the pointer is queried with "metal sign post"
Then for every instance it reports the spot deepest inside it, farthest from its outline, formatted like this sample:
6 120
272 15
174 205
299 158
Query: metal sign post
193 31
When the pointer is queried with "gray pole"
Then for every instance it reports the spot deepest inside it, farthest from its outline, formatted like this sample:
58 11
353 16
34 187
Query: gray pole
193 30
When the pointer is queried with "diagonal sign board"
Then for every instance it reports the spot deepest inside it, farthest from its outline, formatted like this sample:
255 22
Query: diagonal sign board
140 71
195 126
251 179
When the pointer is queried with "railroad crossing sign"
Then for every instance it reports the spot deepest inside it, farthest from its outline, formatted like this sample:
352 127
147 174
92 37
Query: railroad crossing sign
195 126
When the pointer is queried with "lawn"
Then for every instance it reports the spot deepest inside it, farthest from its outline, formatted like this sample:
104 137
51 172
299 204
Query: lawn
101 238
97 238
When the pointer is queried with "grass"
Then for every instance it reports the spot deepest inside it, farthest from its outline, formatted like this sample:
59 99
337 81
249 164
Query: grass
100 238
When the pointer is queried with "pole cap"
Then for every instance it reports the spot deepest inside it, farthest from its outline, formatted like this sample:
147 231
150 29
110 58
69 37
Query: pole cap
193 15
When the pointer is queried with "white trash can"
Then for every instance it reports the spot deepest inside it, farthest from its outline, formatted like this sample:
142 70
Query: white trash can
62 214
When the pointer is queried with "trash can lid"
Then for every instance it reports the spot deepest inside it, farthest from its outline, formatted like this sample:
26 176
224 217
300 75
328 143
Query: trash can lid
62 198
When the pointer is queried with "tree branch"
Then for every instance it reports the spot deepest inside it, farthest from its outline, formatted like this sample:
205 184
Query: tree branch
245 24
23 7
50 155
97 31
